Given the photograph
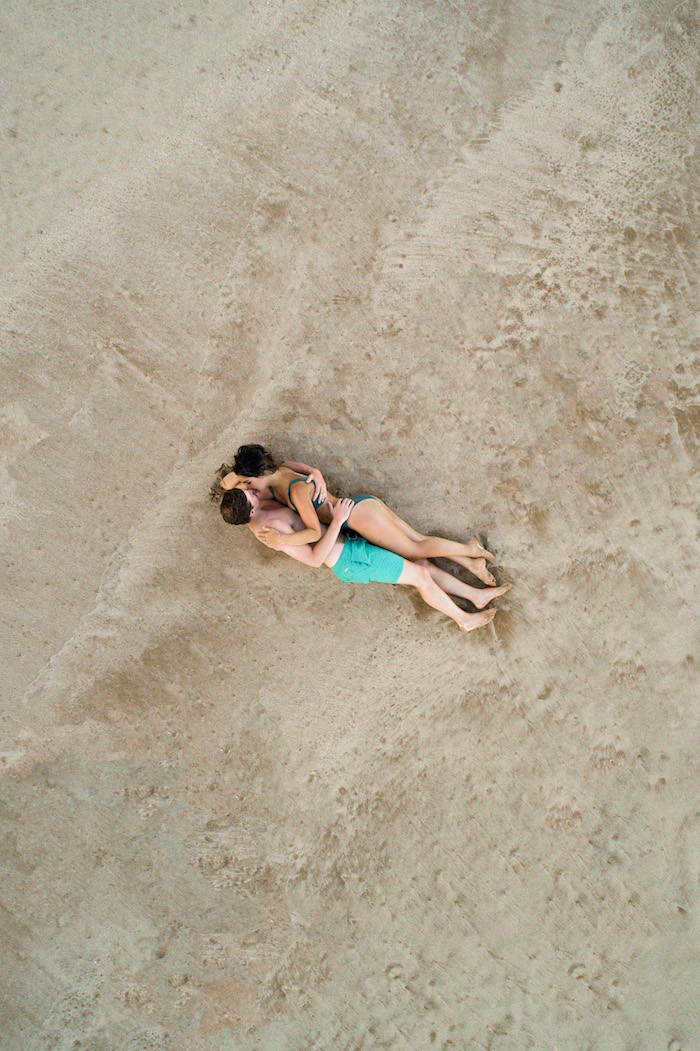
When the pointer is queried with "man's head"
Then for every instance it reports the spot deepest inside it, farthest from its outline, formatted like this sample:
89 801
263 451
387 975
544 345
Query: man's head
252 461
237 506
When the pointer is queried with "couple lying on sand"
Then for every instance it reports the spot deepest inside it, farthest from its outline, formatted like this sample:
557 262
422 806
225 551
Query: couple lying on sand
288 508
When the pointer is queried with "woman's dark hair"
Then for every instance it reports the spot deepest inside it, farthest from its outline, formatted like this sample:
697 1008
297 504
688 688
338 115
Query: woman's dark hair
234 507
254 460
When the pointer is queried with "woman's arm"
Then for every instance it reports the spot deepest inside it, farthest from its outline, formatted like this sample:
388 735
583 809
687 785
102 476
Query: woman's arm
313 530
314 476
299 468
317 554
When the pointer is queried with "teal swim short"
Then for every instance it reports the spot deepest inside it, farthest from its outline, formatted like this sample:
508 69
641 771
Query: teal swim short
361 562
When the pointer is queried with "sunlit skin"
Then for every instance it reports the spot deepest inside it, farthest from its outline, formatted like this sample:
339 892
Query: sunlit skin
434 585
372 519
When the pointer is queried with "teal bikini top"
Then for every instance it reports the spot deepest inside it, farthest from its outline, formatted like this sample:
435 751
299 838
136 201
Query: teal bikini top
315 501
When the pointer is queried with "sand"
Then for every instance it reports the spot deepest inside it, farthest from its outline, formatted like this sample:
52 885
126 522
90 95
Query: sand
447 251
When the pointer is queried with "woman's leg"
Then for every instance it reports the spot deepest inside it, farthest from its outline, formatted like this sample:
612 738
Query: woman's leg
376 522
419 577
479 596
477 566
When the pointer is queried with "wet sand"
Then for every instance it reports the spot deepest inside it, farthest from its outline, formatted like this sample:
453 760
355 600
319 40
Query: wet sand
448 253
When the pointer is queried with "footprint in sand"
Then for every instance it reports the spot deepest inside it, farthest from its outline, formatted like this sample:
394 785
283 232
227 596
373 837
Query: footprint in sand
563 817
607 753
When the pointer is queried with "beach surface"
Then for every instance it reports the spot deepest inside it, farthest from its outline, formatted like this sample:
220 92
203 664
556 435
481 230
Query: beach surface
448 253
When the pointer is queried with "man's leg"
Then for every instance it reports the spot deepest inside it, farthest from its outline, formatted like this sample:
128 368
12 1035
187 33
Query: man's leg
419 577
479 596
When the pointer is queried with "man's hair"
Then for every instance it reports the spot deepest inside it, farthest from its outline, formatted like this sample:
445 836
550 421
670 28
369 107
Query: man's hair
254 460
234 507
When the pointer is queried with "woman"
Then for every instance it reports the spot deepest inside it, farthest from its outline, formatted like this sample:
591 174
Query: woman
353 559
256 470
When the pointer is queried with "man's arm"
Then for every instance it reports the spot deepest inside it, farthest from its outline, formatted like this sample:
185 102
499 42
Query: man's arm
317 554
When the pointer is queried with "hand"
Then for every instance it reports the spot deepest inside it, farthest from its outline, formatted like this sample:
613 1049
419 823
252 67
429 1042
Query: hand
342 510
271 538
316 479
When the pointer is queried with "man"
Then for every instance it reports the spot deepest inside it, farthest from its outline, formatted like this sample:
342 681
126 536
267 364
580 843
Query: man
353 559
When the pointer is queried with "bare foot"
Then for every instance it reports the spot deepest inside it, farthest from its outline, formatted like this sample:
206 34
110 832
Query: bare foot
477 551
477 566
486 594
476 620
